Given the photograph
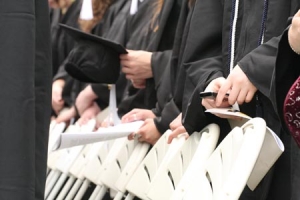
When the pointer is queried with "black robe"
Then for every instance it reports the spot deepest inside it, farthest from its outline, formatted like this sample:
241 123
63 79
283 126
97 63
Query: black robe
136 36
159 42
25 60
166 108
112 27
175 77
73 87
253 60
62 43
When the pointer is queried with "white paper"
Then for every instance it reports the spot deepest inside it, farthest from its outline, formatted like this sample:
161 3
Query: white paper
71 139
228 111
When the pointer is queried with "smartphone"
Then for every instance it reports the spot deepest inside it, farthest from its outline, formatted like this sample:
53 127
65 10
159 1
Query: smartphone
210 95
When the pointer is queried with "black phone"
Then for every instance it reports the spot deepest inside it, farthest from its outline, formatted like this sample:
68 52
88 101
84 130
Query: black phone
210 95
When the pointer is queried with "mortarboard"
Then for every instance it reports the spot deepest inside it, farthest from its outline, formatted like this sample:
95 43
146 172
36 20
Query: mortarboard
93 59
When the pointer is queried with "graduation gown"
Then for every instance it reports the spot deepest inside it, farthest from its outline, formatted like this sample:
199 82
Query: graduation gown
257 22
159 42
73 87
112 27
25 60
62 43
190 19
166 108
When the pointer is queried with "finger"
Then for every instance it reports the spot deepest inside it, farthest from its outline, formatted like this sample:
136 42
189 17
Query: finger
104 124
140 86
125 64
208 103
85 120
131 136
222 92
136 116
242 96
140 139
123 57
186 135
140 135
127 70
130 118
176 122
233 95
176 133
172 126
64 118
130 76
249 96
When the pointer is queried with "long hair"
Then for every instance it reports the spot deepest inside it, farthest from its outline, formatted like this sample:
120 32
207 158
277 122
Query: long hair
99 8
158 4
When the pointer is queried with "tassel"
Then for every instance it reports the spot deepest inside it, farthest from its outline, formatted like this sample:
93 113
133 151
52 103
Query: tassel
134 7
86 12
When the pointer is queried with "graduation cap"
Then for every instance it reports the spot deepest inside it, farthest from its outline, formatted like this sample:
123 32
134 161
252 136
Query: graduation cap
93 59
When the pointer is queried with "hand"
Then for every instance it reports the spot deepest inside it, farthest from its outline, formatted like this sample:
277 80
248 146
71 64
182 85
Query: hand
177 122
89 114
177 128
85 99
57 100
147 133
214 86
66 116
137 114
136 64
294 33
241 89
138 83
108 121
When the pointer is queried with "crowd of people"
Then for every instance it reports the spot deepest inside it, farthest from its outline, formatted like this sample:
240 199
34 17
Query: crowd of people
175 50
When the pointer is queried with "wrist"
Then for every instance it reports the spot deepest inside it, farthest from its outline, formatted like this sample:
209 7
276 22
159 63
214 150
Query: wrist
89 93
